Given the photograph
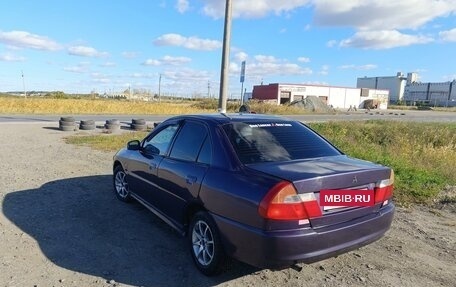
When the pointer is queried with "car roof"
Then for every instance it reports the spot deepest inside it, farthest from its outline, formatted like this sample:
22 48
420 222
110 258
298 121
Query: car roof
220 118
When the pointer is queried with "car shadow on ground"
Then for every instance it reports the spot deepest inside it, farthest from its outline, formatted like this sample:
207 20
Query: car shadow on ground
80 226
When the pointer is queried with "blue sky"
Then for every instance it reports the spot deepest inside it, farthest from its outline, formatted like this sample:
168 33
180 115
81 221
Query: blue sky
108 46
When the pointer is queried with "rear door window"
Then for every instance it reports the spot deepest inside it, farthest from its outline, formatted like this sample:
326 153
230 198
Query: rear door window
189 141
256 142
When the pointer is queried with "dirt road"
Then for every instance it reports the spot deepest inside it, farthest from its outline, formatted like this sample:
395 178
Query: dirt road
60 225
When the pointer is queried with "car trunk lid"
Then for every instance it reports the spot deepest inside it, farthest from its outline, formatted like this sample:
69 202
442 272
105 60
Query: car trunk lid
329 173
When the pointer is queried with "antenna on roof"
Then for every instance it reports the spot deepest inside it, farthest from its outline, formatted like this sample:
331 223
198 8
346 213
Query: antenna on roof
224 114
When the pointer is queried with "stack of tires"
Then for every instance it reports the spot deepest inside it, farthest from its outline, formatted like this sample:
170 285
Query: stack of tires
67 124
112 125
138 124
87 125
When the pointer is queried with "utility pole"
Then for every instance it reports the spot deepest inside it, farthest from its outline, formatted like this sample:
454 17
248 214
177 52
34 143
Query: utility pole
225 59
159 86
208 89
23 84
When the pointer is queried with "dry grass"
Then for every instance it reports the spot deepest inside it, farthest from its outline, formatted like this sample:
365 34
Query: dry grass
15 105
19 105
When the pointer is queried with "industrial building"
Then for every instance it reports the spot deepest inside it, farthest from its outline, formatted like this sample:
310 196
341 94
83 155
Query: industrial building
394 84
336 97
431 94
411 91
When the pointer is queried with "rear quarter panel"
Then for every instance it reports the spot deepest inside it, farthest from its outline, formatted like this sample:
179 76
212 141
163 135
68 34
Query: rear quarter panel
236 195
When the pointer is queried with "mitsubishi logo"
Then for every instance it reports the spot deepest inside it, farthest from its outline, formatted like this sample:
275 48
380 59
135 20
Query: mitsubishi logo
355 179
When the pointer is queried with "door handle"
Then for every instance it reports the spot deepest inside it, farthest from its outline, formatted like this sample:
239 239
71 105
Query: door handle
191 179
152 166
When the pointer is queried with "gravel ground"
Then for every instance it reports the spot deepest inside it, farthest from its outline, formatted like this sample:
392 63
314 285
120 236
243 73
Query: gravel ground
60 225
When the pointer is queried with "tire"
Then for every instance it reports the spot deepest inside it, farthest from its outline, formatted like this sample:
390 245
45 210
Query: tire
120 185
138 127
71 128
87 127
67 119
112 127
113 122
205 244
88 122
66 123
138 121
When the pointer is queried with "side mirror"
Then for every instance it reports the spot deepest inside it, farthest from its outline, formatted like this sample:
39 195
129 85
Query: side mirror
134 145
151 150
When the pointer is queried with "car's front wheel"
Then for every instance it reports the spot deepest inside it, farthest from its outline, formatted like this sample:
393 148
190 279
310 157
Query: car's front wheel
205 244
121 188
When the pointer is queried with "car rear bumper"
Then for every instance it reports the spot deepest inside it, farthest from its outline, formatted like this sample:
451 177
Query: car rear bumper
279 249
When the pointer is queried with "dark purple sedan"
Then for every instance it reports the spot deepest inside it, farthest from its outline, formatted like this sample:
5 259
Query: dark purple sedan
250 187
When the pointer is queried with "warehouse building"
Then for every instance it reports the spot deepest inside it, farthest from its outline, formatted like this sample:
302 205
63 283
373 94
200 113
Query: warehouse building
411 91
336 97
394 84
432 94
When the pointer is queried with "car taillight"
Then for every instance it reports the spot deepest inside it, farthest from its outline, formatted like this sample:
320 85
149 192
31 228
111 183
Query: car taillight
384 189
282 202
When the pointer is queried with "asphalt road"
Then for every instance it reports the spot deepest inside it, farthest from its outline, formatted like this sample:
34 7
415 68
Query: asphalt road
418 116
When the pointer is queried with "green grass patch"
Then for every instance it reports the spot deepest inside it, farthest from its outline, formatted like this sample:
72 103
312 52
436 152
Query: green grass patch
423 155
105 142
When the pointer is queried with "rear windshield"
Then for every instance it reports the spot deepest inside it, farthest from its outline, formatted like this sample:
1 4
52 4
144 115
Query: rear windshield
256 142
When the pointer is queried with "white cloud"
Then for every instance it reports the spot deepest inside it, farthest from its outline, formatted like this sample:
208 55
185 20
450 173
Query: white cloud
241 56
187 81
448 36
193 43
108 64
167 60
331 43
76 69
182 6
11 58
385 14
252 9
324 71
187 74
175 61
264 65
129 55
303 59
384 39
152 62
362 14
81 67
22 39
358 67
85 51
265 59
100 78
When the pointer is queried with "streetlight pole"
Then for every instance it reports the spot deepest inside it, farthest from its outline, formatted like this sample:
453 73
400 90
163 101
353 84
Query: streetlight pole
23 84
159 86
225 59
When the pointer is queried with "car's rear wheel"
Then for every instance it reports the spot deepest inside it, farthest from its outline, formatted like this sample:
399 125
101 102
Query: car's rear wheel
121 188
205 244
